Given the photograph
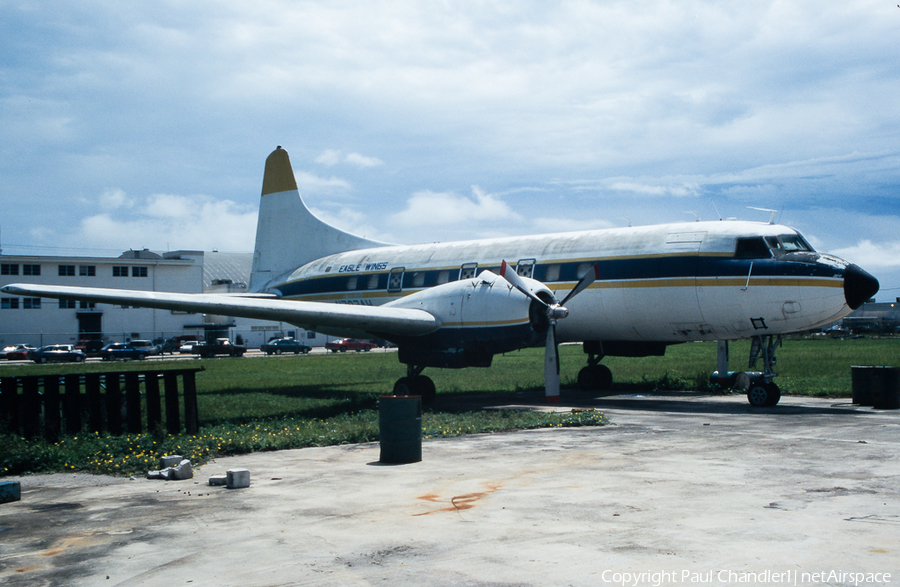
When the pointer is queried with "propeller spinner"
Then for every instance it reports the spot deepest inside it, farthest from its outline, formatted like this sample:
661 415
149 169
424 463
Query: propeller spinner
553 311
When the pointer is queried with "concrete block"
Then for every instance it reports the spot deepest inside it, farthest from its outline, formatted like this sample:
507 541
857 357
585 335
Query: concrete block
238 478
169 461
10 491
182 471
218 480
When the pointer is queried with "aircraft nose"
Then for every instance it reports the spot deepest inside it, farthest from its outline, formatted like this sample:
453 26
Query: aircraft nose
859 286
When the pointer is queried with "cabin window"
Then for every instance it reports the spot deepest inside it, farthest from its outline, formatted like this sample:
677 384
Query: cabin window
583 269
351 282
373 282
752 248
443 277
419 279
552 273
467 271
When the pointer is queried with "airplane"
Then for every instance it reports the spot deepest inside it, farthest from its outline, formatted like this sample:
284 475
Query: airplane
619 292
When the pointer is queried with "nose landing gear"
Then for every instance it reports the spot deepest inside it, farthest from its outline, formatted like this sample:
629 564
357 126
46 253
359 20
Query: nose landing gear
763 391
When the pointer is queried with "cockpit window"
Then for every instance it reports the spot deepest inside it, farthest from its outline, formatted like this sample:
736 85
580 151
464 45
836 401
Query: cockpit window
795 242
752 248
788 243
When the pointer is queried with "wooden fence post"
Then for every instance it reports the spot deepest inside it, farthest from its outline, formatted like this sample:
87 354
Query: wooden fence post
133 402
94 401
191 417
73 404
113 404
31 408
51 408
9 403
154 408
173 418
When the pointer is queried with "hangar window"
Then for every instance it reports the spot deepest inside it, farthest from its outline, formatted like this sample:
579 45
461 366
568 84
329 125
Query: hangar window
66 304
120 271
752 248
87 270
9 303
31 269
67 270
31 303
9 269
139 272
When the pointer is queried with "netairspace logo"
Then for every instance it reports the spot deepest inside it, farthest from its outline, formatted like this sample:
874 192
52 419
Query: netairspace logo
725 577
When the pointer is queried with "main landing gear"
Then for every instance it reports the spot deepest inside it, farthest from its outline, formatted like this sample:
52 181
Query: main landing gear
595 376
763 392
416 384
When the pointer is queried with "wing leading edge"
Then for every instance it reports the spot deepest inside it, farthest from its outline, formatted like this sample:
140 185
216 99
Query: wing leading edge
309 315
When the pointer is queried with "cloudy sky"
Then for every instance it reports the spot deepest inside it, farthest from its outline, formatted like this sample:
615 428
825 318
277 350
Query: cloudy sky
129 125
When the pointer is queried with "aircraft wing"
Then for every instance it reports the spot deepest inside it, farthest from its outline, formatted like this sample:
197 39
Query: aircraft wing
309 315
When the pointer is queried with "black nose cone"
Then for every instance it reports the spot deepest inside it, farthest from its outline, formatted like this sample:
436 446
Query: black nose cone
859 286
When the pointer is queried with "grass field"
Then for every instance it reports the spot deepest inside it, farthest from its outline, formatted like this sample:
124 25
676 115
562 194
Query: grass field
272 403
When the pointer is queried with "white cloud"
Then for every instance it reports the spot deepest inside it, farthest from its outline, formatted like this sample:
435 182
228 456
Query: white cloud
310 183
427 208
655 190
112 199
163 220
362 161
868 254
331 157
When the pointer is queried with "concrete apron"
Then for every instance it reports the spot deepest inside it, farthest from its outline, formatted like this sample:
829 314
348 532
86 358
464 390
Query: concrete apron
703 488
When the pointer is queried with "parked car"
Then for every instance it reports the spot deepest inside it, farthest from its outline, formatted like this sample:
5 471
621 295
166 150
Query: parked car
147 346
187 347
349 344
61 353
122 351
284 345
91 348
16 352
167 345
222 346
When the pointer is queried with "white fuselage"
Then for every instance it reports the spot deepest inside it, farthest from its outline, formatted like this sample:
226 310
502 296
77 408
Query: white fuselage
668 283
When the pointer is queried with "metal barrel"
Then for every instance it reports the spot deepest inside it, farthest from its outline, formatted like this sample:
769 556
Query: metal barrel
861 381
400 428
886 388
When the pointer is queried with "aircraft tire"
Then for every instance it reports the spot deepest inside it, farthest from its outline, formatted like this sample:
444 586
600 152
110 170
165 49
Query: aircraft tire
595 378
419 385
763 395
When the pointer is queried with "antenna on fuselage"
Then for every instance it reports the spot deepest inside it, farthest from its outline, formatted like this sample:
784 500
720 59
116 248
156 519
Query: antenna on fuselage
771 212
696 216
626 218
716 208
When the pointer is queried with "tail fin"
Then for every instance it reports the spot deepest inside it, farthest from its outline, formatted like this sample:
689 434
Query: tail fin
287 233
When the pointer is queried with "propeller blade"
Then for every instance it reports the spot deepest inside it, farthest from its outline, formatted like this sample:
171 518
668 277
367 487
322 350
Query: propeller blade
583 283
510 275
551 367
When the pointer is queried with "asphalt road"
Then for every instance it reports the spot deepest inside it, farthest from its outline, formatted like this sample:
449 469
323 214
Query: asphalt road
678 490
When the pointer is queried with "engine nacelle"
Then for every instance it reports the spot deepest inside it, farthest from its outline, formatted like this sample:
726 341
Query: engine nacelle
480 317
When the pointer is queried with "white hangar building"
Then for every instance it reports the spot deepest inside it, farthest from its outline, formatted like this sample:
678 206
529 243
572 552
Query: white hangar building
38 321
